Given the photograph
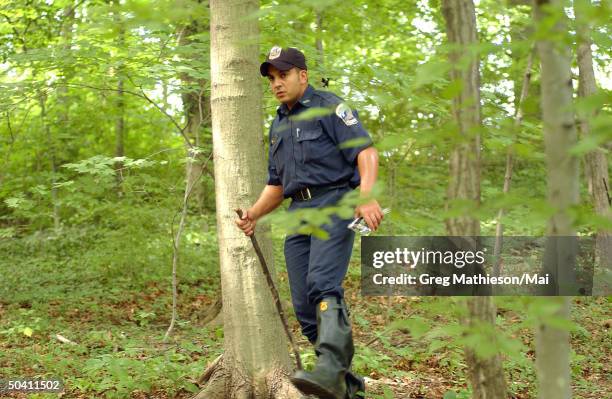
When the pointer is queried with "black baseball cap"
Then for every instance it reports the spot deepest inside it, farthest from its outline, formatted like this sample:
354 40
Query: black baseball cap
283 59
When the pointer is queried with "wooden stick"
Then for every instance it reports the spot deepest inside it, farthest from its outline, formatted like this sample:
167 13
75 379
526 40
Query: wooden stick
274 291
64 340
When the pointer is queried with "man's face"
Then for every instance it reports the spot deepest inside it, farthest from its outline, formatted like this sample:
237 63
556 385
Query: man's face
287 86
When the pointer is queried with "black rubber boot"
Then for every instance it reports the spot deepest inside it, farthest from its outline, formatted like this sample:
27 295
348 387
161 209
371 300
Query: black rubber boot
355 385
334 349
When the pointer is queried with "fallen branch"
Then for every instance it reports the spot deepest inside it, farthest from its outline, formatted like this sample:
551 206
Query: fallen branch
209 370
64 340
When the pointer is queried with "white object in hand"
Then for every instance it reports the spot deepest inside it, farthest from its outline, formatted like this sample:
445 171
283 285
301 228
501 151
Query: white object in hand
360 226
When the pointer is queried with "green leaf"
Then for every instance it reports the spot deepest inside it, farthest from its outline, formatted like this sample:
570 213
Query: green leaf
436 344
417 325
450 395
587 144
453 89
356 142
430 72
312 113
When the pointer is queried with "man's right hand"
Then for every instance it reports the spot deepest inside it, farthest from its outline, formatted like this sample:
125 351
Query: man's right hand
247 223
270 198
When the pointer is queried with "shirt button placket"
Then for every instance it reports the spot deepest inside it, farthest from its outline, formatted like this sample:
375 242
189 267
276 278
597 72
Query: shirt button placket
293 162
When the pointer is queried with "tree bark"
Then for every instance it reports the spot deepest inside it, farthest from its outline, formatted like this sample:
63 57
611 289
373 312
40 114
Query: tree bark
552 343
486 375
254 344
596 161
464 176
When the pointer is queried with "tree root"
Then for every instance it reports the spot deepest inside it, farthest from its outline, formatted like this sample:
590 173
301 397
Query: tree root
220 382
279 386
209 370
216 387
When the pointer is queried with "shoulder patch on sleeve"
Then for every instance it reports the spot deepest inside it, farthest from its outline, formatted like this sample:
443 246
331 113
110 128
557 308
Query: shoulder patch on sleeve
344 112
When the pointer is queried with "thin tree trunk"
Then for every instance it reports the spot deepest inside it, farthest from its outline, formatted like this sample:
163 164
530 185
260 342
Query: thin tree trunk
196 106
596 161
256 358
518 119
42 99
63 99
119 134
120 105
552 343
485 374
319 39
165 94
193 173
176 242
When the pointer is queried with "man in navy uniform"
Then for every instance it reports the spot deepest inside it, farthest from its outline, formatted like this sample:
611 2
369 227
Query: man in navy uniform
308 164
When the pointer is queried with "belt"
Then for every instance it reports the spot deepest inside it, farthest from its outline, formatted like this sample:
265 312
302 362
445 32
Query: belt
309 193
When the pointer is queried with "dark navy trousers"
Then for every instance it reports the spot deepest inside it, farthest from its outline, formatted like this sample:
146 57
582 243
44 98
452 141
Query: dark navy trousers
316 267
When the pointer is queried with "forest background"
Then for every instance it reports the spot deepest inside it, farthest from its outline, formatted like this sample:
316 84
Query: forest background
106 124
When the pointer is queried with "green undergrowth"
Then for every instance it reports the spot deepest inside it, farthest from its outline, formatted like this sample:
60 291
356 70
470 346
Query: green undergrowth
109 292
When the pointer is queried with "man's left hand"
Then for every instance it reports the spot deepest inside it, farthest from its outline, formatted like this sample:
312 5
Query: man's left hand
371 213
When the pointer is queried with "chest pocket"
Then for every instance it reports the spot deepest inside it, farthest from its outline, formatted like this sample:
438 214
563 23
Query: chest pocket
315 144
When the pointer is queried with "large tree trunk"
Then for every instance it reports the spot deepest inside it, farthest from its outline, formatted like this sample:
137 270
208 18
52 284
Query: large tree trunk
486 374
464 174
255 360
552 343
596 161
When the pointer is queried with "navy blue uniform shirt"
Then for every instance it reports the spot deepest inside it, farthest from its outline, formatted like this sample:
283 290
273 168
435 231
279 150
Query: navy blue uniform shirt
308 153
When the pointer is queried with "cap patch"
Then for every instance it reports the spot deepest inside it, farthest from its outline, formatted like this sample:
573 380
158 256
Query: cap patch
344 112
275 52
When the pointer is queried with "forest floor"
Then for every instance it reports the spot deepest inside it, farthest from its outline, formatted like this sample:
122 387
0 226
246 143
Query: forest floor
407 347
